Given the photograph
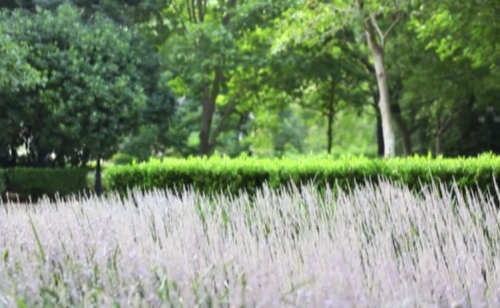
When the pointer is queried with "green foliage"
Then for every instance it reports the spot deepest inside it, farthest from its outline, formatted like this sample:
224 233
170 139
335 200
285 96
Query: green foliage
36 182
267 78
102 83
15 71
141 145
122 159
219 61
223 175
460 29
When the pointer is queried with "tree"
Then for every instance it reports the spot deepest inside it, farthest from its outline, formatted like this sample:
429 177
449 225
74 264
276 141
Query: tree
16 4
378 19
376 38
448 73
15 75
214 62
323 78
102 83
461 29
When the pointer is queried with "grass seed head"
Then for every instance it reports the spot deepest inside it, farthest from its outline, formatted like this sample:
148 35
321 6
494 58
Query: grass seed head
373 246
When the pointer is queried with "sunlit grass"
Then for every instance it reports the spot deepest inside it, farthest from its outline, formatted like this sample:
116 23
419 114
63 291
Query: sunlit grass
375 247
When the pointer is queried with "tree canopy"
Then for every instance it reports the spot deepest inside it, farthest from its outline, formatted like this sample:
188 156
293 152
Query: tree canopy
197 77
101 83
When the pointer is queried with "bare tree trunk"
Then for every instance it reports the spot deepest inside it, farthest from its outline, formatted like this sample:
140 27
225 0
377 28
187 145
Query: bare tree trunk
331 116
380 137
384 102
403 130
398 117
379 131
98 177
330 128
377 51
208 110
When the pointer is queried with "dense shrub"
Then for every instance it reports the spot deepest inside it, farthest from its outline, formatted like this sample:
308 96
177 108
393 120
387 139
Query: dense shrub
122 159
232 175
36 182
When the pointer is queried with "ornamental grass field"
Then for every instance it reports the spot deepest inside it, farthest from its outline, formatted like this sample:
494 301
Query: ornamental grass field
378 246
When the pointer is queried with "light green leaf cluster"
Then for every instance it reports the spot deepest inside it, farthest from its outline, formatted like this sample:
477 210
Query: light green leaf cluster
460 30
308 22
15 72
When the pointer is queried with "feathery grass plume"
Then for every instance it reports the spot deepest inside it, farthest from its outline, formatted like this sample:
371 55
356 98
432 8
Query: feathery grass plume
375 246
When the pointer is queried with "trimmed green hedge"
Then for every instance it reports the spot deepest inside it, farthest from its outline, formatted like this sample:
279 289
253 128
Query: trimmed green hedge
226 175
36 182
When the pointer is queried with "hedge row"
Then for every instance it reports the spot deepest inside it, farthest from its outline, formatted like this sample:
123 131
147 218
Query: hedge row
36 182
224 175
233 175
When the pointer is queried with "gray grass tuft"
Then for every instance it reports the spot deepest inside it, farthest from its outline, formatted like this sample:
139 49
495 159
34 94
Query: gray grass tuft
378 246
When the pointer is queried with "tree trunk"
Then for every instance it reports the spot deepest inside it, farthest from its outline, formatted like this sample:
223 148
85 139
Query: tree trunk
400 122
377 51
384 102
380 133
380 137
442 126
403 130
330 128
208 110
210 95
331 115
225 115
98 177
438 144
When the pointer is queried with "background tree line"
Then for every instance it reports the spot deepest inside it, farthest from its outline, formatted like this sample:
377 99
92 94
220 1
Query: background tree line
87 79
